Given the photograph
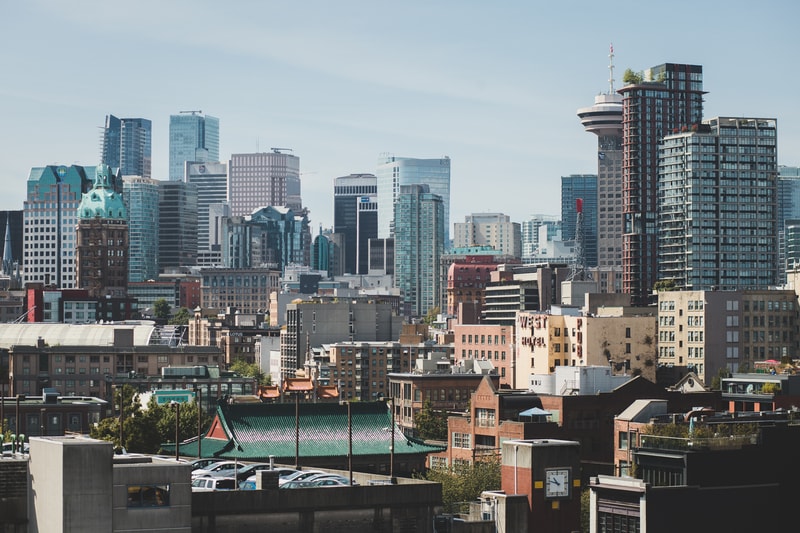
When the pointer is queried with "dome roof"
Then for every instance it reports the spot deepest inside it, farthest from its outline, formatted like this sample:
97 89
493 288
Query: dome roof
102 201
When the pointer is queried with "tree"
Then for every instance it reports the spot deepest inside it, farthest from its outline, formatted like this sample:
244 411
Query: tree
144 430
250 370
465 482
716 381
664 285
429 423
181 317
162 309
631 78
430 318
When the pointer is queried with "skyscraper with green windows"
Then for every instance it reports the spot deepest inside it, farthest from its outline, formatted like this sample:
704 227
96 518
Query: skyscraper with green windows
419 244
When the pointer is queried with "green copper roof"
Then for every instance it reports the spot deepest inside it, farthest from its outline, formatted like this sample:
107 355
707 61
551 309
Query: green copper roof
259 430
102 201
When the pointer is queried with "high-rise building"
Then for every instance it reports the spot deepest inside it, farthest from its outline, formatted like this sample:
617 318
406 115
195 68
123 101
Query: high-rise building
128 145
50 218
192 137
788 215
262 180
580 187
272 237
211 180
141 197
530 233
604 119
489 229
667 99
320 321
395 172
102 244
355 216
419 244
717 221
177 225
326 254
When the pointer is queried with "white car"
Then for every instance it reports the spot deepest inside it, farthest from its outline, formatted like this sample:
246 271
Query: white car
300 475
208 484
218 469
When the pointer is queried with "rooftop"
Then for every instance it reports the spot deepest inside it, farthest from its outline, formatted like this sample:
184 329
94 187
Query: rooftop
257 431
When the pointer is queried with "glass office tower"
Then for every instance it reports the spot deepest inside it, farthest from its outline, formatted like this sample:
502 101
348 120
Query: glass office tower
395 172
128 145
192 137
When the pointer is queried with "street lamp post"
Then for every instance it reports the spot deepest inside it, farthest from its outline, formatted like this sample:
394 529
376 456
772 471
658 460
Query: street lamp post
297 430
350 441
17 444
199 422
121 390
390 429
177 407
391 446
43 420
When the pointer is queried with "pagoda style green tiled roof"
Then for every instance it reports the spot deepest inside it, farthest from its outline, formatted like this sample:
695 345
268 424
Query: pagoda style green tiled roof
255 431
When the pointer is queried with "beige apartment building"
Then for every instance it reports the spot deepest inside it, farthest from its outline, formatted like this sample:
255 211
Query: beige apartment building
490 342
623 338
706 331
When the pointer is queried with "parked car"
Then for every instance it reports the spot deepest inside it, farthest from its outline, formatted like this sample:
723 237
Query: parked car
250 470
300 475
335 477
197 464
218 468
329 482
250 482
8 447
295 484
207 484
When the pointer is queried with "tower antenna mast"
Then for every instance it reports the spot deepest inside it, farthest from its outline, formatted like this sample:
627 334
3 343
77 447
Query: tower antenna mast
611 69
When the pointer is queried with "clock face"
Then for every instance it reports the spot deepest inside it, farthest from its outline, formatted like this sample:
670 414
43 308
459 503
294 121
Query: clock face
557 483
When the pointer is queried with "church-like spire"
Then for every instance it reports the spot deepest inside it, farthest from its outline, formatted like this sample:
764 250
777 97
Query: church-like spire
8 260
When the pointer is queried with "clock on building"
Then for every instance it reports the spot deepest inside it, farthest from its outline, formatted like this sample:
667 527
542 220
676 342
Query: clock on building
557 482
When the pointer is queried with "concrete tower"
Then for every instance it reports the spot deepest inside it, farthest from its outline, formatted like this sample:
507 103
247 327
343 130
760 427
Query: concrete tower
604 119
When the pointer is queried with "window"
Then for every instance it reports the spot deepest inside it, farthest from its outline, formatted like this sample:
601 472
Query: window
148 495
627 333
461 440
485 417
438 462
623 440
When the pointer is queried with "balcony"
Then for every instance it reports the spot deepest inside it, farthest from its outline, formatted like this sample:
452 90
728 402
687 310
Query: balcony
728 442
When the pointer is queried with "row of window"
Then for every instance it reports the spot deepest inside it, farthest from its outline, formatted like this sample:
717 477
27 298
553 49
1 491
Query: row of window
484 339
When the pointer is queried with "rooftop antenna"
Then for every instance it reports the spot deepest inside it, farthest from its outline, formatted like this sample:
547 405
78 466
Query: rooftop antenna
611 69
578 271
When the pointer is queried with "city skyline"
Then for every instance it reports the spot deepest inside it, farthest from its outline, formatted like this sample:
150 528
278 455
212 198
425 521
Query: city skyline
343 84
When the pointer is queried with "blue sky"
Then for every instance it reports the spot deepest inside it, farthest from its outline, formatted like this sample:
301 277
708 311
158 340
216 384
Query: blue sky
495 86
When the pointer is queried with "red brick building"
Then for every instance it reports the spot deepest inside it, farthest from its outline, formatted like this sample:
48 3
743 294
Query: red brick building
466 281
446 391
